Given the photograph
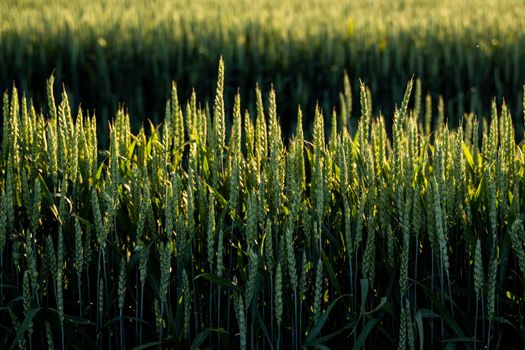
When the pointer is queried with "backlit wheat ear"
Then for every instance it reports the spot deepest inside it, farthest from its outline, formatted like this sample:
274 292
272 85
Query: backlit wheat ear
236 134
261 138
219 114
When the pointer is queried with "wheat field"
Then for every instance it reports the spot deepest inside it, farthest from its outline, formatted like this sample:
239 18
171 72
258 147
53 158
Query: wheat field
189 234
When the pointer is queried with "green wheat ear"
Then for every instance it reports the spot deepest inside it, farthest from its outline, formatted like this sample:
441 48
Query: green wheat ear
478 269
122 283
279 294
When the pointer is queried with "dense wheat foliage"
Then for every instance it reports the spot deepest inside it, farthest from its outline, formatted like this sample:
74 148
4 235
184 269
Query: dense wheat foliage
198 235
130 50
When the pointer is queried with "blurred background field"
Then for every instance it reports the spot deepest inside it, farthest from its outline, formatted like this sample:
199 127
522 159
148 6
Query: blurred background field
129 51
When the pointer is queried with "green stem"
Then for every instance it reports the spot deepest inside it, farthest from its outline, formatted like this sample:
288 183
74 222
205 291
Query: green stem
1 279
441 283
79 278
431 301
415 273
141 312
98 291
295 328
136 305
122 338
476 324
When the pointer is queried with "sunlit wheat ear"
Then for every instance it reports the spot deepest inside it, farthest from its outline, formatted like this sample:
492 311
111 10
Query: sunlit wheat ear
219 127
236 134
261 143
318 176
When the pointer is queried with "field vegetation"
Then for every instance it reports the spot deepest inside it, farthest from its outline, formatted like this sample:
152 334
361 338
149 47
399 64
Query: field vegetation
194 234
351 173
